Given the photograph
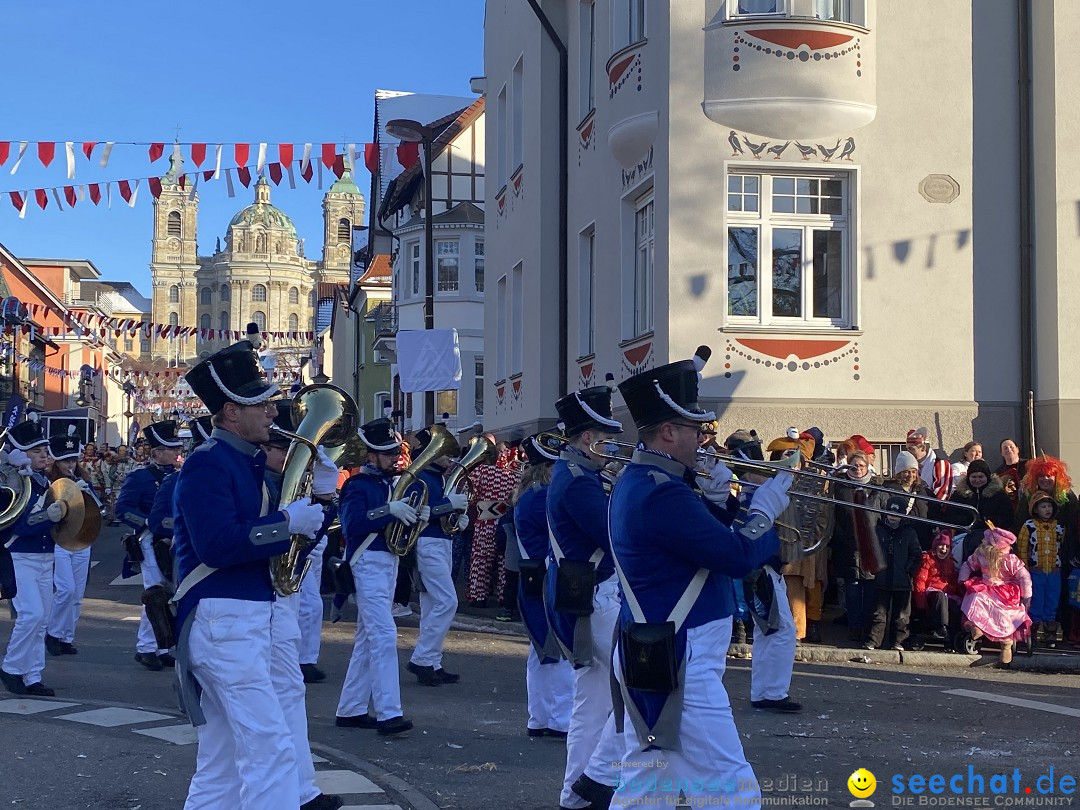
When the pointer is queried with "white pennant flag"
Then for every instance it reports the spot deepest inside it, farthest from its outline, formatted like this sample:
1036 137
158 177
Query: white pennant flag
134 194
194 188
292 177
305 159
318 166
25 205
56 196
108 195
177 160
69 148
228 183
352 158
80 192
105 154
18 160
217 162
261 161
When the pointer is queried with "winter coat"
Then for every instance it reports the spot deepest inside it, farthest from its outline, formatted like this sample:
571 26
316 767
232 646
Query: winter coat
935 575
991 501
847 561
900 547
917 508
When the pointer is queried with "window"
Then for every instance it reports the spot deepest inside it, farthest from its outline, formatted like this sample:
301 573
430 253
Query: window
258 293
344 231
587 56
294 323
175 226
129 344
644 237
414 266
820 9
501 136
380 403
478 264
518 101
586 282
803 221
294 295
445 402
478 386
627 23
259 317
204 296
174 294
311 299
174 319
223 294
517 330
223 322
500 329
446 252
204 322
144 345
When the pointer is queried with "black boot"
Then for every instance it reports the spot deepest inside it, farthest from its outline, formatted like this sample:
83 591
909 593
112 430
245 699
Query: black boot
425 675
597 794
53 645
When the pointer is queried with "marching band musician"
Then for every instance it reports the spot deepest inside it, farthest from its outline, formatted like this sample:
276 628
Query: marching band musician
31 546
310 613
133 507
675 560
160 521
224 531
549 678
366 510
70 568
438 596
581 594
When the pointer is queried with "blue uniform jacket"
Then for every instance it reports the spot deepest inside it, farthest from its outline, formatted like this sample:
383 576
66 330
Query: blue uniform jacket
530 524
160 521
32 534
662 532
577 510
136 499
437 500
217 508
363 509
273 487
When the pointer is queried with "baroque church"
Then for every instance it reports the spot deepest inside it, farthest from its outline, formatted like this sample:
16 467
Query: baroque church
259 275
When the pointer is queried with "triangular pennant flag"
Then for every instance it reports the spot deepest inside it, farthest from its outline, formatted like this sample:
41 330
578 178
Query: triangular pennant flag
198 154
125 189
339 165
105 154
229 183
217 161
95 193
5 150
292 177
134 194
371 156
81 192
284 153
156 151
108 195
260 161
155 186
329 152
244 174
17 200
307 173
242 151
194 189
88 147
182 181
56 196
18 159
41 197
275 172
408 153
206 175
69 195
69 152
46 151
318 166
350 150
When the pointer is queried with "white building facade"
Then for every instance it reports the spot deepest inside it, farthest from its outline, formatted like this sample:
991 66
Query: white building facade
833 195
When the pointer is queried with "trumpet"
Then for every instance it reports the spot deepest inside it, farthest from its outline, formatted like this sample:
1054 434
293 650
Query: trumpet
481 451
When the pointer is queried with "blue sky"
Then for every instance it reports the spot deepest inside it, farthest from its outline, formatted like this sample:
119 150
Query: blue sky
229 71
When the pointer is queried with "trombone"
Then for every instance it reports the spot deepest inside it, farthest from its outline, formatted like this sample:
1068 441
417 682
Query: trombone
791 463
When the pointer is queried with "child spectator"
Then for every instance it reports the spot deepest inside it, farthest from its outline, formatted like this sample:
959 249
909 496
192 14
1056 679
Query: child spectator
937 590
1039 546
892 584
998 593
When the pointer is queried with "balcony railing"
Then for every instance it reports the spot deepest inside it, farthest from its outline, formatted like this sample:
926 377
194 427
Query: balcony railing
385 319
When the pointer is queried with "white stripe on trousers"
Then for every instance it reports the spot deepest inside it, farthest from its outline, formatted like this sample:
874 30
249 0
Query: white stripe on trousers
289 685
33 602
774 654
151 575
311 607
69 578
246 758
438 600
550 689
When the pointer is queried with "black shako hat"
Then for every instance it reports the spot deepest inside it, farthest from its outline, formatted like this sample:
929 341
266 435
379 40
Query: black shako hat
230 375
28 434
200 430
284 421
379 435
587 409
162 434
668 393
542 448
65 447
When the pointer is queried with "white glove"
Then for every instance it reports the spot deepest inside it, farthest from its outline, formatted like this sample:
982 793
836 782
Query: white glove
462 522
18 458
304 517
717 487
56 511
83 485
403 512
770 499
324 475
424 513
108 492
459 501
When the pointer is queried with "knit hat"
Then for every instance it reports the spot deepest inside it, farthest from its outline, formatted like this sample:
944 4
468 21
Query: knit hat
897 503
918 436
904 461
861 443
979 466
942 536
999 538
745 444
1038 497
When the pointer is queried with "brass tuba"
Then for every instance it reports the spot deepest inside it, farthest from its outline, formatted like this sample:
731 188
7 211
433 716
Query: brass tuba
326 415
481 451
15 492
400 538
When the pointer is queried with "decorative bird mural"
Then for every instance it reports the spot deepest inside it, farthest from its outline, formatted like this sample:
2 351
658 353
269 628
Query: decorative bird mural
757 148
848 150
733 142
805 151
778 150
826 152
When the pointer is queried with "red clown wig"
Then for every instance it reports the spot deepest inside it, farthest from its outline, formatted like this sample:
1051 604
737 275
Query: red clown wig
1047 467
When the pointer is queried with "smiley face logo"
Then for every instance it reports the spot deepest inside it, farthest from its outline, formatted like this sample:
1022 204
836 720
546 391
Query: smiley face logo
862 784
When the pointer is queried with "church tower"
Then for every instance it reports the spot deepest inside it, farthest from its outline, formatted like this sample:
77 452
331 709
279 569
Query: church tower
174 263
343 208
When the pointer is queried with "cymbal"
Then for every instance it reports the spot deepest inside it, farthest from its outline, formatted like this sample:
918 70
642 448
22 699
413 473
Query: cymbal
81 524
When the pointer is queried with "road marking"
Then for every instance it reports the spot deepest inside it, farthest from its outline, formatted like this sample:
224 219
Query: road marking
344 782
177 735
113 716
133 580
371 807
32 706
852 677
1038 705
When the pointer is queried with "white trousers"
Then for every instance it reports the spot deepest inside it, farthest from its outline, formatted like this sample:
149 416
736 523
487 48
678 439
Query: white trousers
592 744
550 689
774 654
289 685
311 607
151 575
69 579
246 758
711 769
438 600
33 603
373 668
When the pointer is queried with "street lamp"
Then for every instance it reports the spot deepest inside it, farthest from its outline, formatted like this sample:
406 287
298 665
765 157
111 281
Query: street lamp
406 129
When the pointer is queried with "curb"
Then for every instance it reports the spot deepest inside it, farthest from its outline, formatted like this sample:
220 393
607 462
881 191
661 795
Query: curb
396 787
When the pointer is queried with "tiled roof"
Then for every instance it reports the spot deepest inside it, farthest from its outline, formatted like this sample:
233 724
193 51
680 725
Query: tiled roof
379 271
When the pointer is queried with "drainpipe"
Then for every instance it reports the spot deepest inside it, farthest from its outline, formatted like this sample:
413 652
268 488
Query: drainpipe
564 174
1026 181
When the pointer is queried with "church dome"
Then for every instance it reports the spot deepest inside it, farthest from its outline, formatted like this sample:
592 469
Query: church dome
261 212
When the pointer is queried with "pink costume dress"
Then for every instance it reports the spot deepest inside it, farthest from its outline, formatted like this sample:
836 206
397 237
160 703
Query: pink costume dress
993 605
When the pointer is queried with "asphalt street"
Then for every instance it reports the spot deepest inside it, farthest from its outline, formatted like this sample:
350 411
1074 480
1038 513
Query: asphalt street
469 748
